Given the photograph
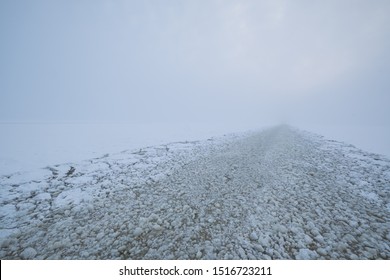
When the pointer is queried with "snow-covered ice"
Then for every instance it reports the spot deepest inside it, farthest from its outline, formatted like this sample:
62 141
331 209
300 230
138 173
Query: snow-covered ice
31 145
280 193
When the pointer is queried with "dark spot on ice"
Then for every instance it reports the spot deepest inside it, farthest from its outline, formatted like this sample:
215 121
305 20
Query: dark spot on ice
70 171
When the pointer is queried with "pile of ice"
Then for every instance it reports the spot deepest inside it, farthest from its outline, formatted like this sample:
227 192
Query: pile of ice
277 194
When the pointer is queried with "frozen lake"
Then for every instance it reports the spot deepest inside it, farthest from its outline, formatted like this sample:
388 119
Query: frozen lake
375 139
276 194
27 146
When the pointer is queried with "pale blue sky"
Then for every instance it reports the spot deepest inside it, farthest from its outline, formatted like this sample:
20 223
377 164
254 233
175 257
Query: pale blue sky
267 61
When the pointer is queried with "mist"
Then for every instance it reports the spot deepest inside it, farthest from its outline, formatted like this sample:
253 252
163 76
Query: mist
237 64
194 130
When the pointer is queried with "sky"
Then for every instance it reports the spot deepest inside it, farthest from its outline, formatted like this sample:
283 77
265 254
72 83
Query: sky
260 61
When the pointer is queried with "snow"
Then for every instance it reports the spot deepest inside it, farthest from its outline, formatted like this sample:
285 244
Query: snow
32 145
375 139
72 196
280 193
370 196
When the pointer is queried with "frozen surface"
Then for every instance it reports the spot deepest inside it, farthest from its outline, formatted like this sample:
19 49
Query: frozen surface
375 139
28 146
280 193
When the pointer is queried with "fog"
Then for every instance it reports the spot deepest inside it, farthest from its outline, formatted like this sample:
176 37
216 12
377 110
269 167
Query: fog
243 64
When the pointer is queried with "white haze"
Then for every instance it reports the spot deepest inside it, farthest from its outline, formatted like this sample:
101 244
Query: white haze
224 65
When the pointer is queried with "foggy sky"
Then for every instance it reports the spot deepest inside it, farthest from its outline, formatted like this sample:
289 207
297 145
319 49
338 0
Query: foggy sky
324 62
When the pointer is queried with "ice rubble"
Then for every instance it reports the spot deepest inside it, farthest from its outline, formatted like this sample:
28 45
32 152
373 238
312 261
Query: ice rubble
277 194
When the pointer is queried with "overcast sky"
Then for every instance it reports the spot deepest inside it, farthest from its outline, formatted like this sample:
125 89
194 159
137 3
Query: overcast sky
324 62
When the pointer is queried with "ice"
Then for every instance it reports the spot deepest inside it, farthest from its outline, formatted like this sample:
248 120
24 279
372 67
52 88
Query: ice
28 253
73 196
279 193
138 231
43 196
306 254
253 236
370 196
33 145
